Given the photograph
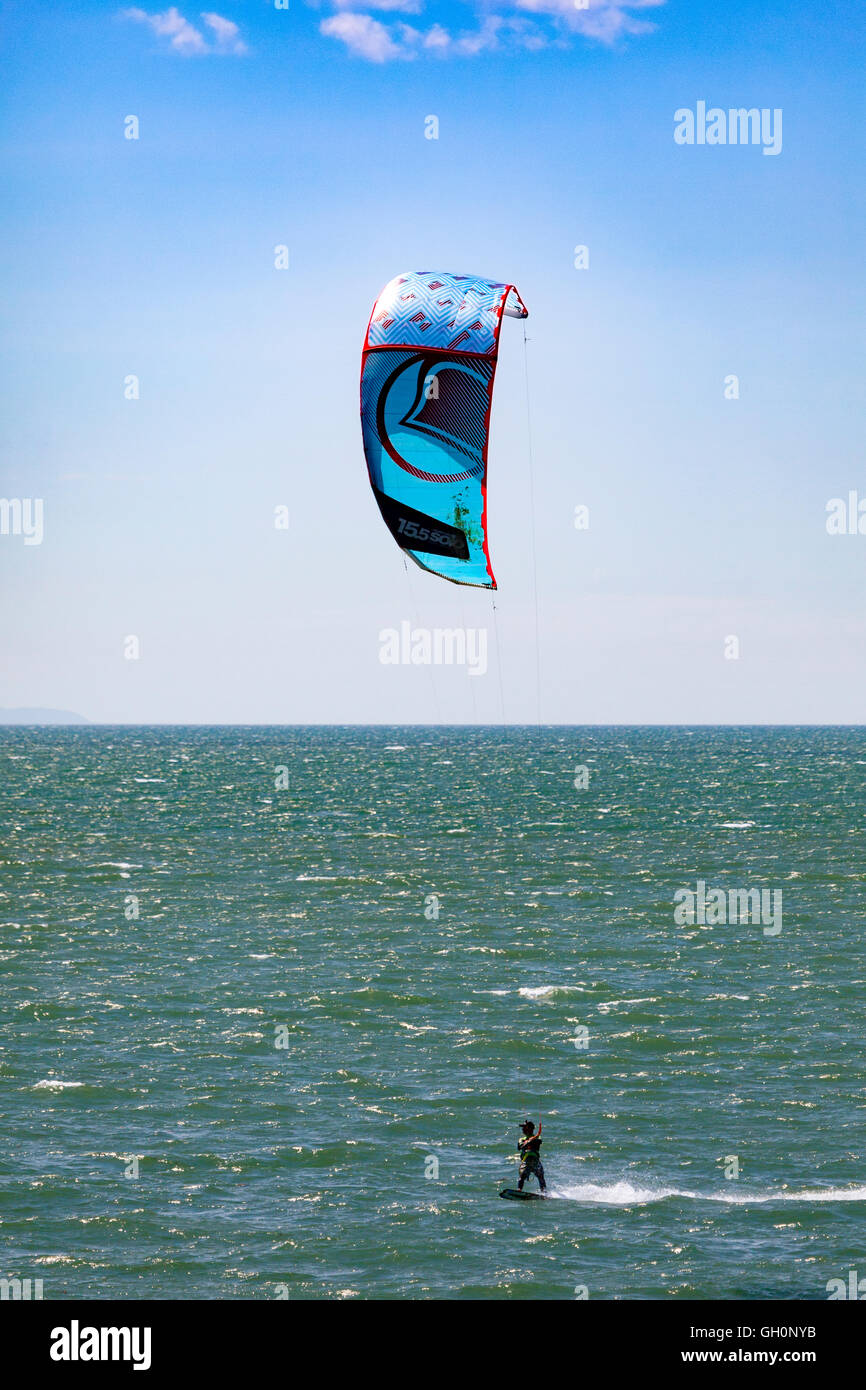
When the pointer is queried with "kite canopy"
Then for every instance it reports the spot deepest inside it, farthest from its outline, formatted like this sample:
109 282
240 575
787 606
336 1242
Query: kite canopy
426 389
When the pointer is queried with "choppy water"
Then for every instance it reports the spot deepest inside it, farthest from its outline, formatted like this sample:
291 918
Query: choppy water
413 1043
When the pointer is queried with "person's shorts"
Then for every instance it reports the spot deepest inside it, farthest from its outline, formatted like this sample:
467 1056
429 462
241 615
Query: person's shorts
531 1168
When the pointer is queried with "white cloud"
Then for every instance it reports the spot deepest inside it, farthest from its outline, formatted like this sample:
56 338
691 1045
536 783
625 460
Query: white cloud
602 20
367 38
605 20
184 37
227 33
437 38
363 35
405 6
485 37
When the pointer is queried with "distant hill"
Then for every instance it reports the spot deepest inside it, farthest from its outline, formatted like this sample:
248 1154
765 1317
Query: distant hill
41 716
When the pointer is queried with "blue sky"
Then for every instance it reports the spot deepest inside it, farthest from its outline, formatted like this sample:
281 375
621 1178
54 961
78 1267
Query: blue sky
305 127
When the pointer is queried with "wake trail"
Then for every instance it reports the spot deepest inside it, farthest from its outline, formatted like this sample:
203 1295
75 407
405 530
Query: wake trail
627 1194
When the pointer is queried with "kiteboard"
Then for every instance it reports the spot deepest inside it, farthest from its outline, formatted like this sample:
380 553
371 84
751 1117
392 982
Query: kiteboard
514 1196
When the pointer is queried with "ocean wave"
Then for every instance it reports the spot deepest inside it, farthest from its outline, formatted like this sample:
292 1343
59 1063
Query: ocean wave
51 1084
621 1003
548 991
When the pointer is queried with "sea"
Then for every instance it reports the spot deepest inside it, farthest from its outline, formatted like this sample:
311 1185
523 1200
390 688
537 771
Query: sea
274 1002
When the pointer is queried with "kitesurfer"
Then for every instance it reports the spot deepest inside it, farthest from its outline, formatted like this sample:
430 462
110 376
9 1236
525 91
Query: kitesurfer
530 1159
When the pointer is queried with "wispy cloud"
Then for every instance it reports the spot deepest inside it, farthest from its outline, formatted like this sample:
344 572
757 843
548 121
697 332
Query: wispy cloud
524 24
605 20
404 6
226 33
363 35
183 36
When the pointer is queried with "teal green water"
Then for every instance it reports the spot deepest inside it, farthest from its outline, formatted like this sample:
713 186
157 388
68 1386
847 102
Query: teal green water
363 1156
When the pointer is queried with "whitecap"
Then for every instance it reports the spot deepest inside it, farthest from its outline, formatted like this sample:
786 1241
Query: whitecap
548 991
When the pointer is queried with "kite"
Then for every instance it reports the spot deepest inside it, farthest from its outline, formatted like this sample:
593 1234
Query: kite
427 373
